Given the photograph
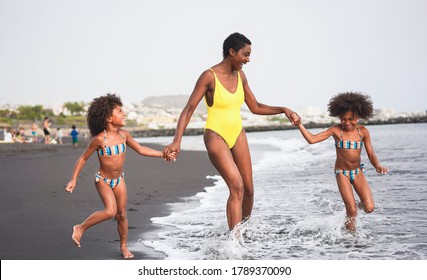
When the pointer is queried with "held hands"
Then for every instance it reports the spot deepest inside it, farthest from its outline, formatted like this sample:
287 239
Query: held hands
171 151
169 157
294 118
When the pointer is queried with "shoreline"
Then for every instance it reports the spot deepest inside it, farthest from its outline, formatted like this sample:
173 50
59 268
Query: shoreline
138 132
37 214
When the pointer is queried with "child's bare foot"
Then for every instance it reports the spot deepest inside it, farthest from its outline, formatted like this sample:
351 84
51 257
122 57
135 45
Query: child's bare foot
126 253
350 225
77 235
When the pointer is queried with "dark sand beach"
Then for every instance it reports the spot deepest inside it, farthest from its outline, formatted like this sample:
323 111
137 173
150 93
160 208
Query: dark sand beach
37 215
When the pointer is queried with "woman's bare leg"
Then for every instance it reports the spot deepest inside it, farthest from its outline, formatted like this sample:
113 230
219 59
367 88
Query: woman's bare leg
242 158
223 161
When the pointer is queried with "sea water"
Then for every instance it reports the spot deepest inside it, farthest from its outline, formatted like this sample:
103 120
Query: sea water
298 212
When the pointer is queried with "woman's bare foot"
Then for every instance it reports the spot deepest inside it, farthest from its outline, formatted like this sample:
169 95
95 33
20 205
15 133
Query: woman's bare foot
126 253
77 235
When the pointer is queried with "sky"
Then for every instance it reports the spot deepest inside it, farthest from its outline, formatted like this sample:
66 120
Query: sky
303 51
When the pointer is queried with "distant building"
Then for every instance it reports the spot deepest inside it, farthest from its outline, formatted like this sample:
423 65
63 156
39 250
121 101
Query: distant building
314 114
384 114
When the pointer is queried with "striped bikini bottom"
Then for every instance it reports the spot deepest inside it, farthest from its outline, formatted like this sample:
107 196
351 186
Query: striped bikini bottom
111 182
351 174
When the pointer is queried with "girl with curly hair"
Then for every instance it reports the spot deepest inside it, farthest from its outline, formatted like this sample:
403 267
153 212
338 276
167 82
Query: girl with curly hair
105 119
350 138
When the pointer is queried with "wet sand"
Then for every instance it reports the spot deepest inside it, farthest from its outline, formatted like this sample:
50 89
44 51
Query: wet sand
37 215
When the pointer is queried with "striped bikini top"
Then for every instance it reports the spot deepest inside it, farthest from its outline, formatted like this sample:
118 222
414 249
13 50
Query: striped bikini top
354 145
112 150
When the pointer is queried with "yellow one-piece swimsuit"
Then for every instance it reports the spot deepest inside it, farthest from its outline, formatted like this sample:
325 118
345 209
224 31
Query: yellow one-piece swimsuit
224 115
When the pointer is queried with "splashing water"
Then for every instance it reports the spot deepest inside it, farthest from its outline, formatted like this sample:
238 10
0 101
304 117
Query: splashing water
298 211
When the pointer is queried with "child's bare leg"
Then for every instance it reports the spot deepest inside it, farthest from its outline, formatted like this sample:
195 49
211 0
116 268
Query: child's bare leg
95 218
122 221
346 192
363 190
122 227
110 210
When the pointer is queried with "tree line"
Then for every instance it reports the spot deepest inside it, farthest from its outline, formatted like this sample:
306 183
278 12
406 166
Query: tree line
76 113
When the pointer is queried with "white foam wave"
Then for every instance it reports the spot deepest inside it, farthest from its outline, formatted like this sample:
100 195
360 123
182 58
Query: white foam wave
206 224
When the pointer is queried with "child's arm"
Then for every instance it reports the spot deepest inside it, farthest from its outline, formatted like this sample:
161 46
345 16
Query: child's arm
81 161
145 151
370 151
315 138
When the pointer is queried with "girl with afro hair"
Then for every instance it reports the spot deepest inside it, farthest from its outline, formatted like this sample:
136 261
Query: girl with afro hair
350 138
105 119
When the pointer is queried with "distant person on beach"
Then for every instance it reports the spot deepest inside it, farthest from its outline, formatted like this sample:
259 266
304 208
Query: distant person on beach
20 136
59 135
9 136
105 119
46 130
74 136
34 128
350 138
225 88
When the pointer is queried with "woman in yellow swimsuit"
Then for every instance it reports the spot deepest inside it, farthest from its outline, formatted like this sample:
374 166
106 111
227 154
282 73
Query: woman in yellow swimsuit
225 88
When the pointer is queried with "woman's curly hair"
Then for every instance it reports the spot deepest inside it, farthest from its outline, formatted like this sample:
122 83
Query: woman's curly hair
355 102
99 110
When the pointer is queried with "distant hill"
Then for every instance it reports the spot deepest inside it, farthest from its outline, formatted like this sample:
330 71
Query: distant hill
172 102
